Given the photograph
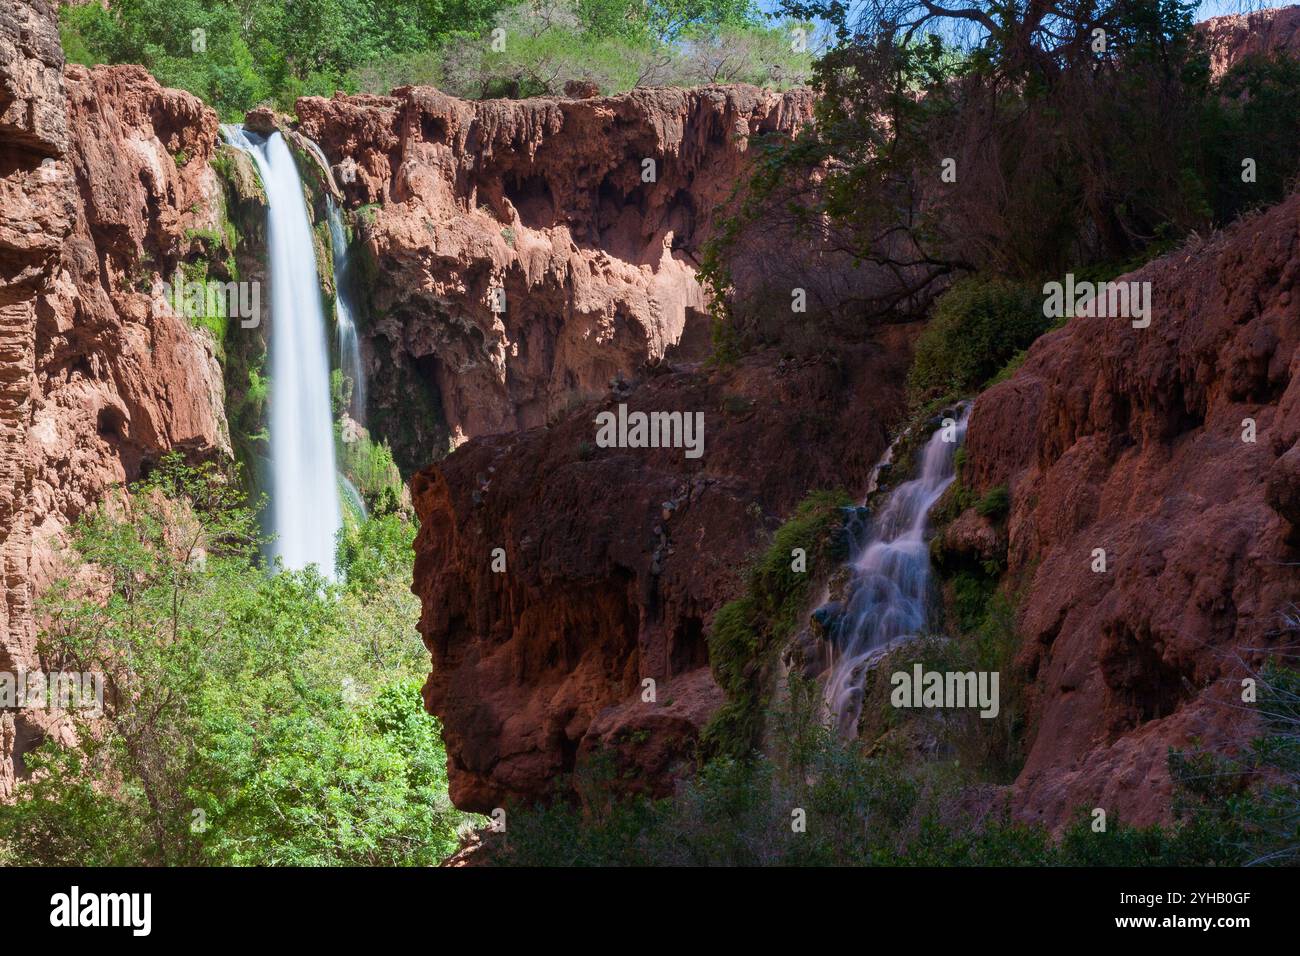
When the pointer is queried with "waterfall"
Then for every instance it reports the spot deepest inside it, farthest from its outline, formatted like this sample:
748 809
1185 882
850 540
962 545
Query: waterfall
889 591
349 346
304 500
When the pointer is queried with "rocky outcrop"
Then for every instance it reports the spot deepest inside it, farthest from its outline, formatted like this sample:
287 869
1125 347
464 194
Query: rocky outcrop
1231 39
37 198
1173 448
613 562
121 378
524 252
103 177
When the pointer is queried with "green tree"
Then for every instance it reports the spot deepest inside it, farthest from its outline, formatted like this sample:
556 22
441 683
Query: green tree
250 716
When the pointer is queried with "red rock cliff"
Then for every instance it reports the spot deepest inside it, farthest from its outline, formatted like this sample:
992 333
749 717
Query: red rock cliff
1231 39
588 214
101 175
616 561
1131 440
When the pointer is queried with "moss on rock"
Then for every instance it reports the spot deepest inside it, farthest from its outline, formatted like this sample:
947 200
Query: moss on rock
748 633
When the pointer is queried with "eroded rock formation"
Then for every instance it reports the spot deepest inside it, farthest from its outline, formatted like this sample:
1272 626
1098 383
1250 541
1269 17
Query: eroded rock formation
103 180
538 669
616 561
36 214
1133 441
524 252
520 255
1231 39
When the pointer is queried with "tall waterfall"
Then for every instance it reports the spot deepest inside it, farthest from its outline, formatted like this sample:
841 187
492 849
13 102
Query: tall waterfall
304 503
889 592
349 346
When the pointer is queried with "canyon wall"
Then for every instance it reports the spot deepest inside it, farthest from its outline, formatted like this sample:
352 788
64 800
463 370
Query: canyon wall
538 667
1135 441
103 181
530 263
615 561
523 253
589 217
1231 39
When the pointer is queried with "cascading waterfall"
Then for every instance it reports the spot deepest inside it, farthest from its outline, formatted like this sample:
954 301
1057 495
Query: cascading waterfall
889 592
305 512
349 346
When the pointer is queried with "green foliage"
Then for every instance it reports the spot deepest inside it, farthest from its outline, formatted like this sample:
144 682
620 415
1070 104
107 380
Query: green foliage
747 633
229 69
252 51
978 326
1011 111
371 468
538 47
1256 115
243 351
1010 105
1010 369
995 504
250 717
376 551
1198 842
971 594
236 54
861 807
1251 801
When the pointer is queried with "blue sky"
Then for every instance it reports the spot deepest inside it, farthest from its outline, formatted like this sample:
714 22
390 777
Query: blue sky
1209 8
1216 8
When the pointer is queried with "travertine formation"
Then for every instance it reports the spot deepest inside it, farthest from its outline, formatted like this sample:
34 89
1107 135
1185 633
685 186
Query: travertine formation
1174 448
527 251
1231 39
103 177
36 214
615 561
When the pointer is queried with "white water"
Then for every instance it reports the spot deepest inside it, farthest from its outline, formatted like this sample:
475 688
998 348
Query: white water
889 593
305 512
349 346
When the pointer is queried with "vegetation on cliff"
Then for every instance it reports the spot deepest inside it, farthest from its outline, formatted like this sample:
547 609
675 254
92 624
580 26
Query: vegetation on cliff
977 327
749 633
988 179
813 800
249 716
990 162
239 54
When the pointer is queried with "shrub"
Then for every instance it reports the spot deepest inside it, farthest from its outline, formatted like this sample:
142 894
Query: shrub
613 44
1256 114
747 633
1251 800
977 327
249 717
995 504
862 807
371 468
